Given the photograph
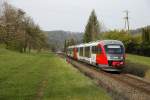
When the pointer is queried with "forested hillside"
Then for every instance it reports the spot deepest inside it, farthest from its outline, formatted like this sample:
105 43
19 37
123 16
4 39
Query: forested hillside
56 39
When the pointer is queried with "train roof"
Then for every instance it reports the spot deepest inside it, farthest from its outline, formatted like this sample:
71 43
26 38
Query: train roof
94 43
112 42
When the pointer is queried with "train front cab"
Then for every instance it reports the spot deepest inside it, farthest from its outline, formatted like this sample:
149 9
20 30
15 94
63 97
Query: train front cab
111 57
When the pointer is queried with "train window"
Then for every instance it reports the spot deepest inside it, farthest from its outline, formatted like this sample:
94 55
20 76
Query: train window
68 51
114 49
99 50
81 51
77 49
71 51
96 50
87 52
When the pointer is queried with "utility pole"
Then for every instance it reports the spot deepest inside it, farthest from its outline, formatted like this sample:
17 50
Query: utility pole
126 20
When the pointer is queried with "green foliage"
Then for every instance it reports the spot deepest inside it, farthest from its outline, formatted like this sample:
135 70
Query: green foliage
69 42
56 39
2 34
72 42
146 34
65 45
118 35
145 41
19 32
132 43
92 28
138 65
137 44
27 76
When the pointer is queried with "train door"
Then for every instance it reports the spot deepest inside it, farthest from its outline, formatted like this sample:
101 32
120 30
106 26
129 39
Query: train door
75 50
77 53
87 53
90 54
101 57
93 54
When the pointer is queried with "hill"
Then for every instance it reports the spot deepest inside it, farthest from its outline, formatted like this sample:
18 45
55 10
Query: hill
58 37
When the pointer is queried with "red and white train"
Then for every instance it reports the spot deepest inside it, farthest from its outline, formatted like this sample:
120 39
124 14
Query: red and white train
106 54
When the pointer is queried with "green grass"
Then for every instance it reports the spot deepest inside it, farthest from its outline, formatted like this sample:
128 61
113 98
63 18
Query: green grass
44 75
138 65
139 59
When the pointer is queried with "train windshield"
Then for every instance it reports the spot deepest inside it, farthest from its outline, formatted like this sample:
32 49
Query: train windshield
114 49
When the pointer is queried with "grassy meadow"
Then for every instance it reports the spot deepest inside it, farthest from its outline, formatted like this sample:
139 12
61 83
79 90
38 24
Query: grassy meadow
139 59
139 65
43 76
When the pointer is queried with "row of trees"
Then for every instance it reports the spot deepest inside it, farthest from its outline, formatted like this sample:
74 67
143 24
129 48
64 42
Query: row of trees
146 34
131 42
69 42
146 41
18 31
136 44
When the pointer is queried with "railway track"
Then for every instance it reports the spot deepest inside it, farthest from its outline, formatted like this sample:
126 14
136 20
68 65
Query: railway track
134 82
121 86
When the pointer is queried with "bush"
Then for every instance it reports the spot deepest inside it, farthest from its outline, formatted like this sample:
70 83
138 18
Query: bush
135 69
145 48
135 44
132 43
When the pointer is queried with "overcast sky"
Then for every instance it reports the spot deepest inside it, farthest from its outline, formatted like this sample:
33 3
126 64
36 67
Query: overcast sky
72 15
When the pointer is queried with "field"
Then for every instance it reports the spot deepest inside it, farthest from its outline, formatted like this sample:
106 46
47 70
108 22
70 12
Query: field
139 59
43 76
139 65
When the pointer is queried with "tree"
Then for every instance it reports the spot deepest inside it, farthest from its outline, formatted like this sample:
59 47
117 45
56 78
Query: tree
69 42
34 37
19 32
65 46
145 46
146 34
92 28
12 20
72 41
